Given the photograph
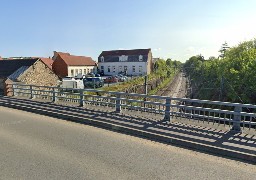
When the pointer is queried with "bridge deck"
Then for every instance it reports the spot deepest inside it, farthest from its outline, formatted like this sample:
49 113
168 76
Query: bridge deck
179 131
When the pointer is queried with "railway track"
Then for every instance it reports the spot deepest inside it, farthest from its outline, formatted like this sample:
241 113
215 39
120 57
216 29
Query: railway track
176 88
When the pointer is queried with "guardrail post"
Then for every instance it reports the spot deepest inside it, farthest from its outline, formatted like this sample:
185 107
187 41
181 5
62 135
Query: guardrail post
54 97
237 120
81 102
118 103
167 116
31 91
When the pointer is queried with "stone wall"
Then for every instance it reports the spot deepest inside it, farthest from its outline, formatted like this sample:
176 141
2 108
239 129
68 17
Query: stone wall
39 74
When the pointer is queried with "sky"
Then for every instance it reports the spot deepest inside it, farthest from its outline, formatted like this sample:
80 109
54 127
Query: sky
176 29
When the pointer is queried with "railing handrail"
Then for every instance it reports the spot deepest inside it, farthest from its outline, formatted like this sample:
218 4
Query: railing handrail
148 103
151 96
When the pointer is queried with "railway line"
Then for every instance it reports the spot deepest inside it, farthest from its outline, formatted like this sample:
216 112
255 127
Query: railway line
176 88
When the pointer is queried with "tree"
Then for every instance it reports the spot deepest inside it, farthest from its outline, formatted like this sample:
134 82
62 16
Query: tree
233 75
223 49
169 62
212 58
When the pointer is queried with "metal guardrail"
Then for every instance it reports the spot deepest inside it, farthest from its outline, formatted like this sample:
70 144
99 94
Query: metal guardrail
236 115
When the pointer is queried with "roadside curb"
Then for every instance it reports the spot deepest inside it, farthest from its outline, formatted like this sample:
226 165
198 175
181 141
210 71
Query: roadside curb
249 158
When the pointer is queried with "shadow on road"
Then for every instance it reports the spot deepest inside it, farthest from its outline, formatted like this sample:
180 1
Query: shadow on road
197 134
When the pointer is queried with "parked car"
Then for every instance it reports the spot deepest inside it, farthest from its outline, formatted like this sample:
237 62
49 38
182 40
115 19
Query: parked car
93 82
111 79
121 77
91 74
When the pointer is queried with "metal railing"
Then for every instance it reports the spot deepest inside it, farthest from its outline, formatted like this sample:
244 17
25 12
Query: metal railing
237 116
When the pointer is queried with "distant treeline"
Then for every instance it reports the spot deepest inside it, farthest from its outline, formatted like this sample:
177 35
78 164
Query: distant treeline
230 77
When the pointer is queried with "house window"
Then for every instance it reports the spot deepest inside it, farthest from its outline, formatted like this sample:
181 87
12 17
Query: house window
80 71
102 59
125 70
140 58
114 69
123 58
102 68
76 72
108 68
133 68
72 72
120 68
91 70
140 69
88 70
84 71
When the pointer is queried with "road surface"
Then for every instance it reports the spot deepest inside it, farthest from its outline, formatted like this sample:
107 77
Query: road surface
38 147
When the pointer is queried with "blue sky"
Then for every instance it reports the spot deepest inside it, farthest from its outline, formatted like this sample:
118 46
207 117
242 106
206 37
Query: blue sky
176 29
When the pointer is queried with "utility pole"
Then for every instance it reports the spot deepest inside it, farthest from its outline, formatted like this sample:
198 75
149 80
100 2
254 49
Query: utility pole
221 88
93 83
145 85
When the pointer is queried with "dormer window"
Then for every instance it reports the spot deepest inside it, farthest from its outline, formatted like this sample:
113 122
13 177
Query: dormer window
102 59
123 58
140 58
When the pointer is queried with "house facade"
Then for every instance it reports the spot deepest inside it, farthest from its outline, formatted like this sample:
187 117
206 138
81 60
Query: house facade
66 64
26 71
130 62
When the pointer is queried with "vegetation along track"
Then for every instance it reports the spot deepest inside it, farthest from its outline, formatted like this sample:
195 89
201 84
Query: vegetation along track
176 88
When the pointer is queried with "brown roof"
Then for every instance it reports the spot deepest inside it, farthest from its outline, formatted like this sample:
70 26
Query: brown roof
62 53
47 61
125 52
72 60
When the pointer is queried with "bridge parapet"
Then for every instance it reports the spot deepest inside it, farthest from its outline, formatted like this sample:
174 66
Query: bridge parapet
234 115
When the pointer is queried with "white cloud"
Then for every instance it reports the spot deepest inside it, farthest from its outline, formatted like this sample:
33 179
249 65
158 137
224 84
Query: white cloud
191 49
157 49
237 31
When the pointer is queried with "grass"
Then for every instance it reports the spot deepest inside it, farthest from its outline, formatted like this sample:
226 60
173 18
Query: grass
161 86
139 81
125 85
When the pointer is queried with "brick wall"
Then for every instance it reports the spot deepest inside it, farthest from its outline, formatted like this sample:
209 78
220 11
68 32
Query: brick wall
60 67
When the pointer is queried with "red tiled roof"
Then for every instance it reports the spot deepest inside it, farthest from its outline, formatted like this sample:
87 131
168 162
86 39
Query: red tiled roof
48 62
62 53
72 60
125 52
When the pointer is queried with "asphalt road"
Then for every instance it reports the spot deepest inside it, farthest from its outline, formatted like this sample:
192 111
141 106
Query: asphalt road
39 147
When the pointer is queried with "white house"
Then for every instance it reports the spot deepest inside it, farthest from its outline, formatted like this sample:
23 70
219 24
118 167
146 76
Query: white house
131 62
